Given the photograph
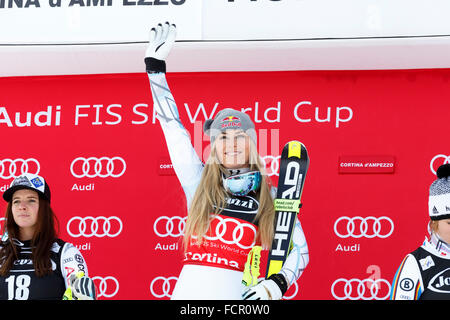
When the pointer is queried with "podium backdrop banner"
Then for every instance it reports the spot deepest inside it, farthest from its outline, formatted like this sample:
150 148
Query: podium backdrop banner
375 140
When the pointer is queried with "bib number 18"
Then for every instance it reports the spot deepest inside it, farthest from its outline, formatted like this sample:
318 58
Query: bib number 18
18 287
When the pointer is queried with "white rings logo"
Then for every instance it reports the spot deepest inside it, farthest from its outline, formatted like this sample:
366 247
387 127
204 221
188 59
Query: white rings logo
272 165
381 227
94 226
437 161
169 226
12 168
106 286
102 167
237 234
365 289
161 287
295 291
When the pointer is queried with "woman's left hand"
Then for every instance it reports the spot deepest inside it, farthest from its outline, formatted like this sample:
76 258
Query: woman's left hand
264 290
83 287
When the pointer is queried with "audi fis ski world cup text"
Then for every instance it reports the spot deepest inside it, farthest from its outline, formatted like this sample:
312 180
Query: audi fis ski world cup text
140 113
95 115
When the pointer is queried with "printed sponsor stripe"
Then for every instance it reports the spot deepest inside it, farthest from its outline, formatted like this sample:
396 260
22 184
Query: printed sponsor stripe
396 278
418 291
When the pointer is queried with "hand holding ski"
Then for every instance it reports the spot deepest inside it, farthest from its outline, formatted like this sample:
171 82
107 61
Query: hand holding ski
80 288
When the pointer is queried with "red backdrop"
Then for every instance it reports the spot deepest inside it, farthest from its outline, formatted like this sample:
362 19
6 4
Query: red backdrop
127 184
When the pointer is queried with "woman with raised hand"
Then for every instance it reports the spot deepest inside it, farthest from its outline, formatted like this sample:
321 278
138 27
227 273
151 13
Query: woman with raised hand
229 198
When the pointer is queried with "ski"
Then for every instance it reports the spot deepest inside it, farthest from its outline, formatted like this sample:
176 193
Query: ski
294 164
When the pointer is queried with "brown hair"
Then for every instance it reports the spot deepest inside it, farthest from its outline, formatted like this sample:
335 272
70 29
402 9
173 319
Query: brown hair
46 233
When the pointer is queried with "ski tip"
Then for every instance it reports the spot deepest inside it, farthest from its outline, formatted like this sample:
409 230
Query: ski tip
295 148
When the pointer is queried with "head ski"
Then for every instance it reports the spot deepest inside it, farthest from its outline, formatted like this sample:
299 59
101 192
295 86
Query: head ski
294 164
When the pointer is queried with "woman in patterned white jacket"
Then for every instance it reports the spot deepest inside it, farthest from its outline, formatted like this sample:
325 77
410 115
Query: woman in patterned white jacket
425 273
229 198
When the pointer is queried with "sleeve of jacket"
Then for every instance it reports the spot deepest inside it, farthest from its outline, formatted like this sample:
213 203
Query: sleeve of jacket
186 163
407 283
72 261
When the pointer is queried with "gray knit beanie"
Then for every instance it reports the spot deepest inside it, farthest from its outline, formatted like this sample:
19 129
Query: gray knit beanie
229 119
439 200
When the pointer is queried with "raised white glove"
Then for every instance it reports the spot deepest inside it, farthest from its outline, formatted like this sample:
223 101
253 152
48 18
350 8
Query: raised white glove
264 290
83 288
162 38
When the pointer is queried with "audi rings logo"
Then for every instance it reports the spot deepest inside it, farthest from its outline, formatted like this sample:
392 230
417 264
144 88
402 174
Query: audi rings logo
11 168
272 165
102 167
162 287
235 236
368 227
437 161
293 288
94 226
357 289
169 226
106 286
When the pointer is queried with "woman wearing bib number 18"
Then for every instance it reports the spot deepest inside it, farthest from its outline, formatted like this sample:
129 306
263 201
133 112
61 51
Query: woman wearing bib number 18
229 198
34 263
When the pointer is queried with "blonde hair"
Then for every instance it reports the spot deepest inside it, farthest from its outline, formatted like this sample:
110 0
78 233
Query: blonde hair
434 225
210 198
